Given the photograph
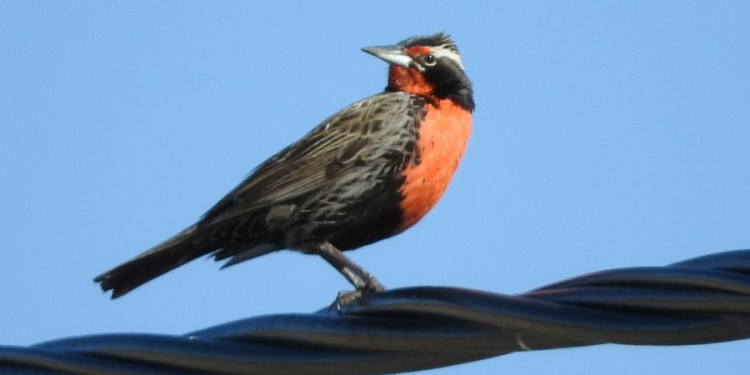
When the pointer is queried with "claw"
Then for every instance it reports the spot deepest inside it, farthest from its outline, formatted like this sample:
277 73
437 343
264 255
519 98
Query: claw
350 297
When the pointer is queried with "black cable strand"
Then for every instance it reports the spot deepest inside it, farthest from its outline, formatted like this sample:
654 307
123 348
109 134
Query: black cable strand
700 300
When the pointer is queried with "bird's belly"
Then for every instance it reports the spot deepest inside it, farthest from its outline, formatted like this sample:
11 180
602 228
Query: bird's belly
443 134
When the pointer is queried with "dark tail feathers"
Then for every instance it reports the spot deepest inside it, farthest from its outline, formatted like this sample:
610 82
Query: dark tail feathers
165 257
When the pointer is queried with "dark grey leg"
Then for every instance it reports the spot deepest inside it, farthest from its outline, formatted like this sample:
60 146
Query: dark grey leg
361 279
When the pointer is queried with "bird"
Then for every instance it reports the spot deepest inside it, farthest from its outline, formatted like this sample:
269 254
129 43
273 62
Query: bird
366 173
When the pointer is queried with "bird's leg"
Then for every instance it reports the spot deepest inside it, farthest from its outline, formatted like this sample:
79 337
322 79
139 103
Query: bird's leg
362 280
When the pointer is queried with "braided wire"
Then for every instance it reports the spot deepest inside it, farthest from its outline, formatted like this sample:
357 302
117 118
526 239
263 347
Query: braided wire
701 300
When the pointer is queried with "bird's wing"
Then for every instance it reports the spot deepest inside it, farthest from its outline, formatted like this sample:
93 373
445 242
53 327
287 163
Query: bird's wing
347 139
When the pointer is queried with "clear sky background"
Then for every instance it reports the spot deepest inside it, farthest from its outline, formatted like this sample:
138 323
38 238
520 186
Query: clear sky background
607 134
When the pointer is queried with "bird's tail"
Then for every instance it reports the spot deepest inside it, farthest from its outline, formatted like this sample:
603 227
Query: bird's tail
166 256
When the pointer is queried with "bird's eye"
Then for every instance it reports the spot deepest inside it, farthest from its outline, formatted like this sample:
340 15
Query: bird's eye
430 60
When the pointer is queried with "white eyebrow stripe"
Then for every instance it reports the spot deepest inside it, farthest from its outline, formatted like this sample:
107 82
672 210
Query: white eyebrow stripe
442 51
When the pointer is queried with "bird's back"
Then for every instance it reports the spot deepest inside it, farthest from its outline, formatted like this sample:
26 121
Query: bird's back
339 182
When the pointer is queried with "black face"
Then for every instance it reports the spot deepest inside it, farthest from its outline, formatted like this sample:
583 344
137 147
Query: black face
444 73
448 80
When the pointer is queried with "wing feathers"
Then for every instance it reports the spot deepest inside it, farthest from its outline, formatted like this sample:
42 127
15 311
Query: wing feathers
341 142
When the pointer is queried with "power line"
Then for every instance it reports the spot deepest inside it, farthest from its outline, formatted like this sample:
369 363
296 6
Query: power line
696 301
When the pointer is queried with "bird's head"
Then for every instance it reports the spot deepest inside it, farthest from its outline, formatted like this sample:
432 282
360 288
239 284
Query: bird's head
427 65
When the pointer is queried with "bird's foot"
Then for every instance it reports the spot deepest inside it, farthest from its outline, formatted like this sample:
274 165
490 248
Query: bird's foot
362 280
346 298
368 286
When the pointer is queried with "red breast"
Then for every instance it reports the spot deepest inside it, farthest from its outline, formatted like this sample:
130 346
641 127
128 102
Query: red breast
442 138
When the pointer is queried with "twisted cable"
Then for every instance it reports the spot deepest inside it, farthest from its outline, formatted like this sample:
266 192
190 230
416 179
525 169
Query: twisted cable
696 301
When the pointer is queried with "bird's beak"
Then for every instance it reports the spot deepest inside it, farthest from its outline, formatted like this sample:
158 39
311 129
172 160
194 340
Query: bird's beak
394 55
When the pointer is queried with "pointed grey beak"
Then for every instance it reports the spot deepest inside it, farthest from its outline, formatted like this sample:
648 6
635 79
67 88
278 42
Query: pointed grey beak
390 54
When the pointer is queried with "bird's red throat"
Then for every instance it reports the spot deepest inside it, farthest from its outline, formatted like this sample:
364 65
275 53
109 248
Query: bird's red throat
408 80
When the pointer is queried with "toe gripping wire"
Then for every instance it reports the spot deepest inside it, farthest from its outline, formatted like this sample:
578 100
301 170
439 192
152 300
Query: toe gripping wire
696 301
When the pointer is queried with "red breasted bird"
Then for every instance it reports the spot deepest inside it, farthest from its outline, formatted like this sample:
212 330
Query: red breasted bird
366 173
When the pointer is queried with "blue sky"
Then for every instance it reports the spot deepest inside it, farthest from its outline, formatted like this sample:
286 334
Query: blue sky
607 134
